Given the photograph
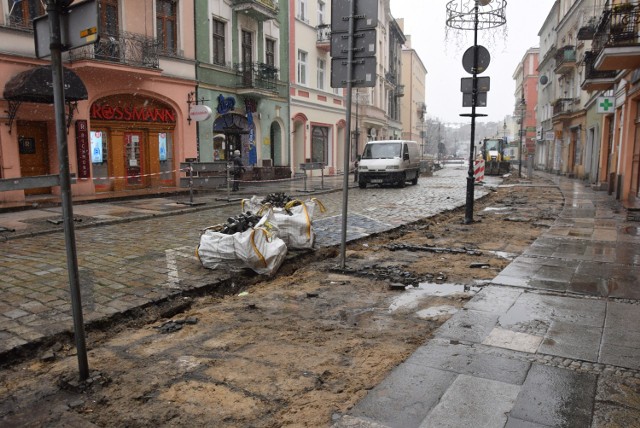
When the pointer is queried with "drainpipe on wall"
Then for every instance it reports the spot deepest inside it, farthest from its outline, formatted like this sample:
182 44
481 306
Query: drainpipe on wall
197 63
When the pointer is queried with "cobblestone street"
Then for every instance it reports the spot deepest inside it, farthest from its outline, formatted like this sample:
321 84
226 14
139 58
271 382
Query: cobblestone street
126 264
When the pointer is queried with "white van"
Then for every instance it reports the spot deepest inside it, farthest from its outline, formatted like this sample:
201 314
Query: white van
389 162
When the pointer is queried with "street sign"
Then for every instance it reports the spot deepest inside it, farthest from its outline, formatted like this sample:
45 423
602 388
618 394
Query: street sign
79 26
363 74
366 14
484 58
200 112
481 100
364 44
483 85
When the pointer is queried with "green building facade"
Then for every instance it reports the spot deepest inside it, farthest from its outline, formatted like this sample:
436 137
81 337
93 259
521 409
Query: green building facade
242 71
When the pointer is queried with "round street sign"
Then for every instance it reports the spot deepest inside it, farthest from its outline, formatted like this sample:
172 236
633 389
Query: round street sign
484 58
200 112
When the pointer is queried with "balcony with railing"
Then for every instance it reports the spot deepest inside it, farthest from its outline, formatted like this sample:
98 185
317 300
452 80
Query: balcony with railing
616 37
126 48
565 59
260 10
588 30
256 78
392 77
323 39
563 107
596 80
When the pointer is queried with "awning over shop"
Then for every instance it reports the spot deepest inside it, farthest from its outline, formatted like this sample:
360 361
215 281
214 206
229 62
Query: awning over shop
36 86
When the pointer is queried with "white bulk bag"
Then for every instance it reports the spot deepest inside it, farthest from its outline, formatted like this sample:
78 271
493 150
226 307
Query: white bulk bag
253 205
259 248
295 223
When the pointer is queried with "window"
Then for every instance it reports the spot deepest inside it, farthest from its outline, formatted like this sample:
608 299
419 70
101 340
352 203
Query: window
321 68
302 10
109 46
302 67
21 13
109 18
247 49
270 52
218 42
319 144
321 11
166 21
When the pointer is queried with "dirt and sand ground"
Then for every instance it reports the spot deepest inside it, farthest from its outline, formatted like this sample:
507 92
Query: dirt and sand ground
296 350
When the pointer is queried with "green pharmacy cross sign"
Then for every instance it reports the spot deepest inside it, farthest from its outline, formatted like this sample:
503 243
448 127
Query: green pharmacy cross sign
605 104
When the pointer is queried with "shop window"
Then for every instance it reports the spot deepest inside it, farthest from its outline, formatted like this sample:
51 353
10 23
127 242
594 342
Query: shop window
319 144
165 151
218 42
100 157
22 13
166 23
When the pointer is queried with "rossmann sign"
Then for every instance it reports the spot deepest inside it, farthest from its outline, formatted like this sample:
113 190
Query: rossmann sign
132 113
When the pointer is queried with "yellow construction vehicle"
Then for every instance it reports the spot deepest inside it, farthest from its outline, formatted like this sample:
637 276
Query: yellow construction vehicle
495 160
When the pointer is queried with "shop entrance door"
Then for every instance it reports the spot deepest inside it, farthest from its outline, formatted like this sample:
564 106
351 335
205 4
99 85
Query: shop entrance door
34 152
134 159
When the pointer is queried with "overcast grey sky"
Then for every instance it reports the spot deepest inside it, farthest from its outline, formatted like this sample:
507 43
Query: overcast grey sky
441 52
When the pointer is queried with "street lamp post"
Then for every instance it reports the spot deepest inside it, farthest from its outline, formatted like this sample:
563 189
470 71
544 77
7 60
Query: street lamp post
523 107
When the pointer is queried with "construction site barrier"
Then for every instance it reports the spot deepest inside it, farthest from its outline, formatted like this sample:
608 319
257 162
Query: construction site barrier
478 171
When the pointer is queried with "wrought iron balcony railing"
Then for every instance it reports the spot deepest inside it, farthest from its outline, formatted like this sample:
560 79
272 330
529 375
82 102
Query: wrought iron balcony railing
125 48
590 73
565 55
618 26
323 33
564 105
257 75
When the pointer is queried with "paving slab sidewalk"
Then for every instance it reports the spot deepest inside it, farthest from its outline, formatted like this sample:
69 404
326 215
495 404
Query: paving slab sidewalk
552 342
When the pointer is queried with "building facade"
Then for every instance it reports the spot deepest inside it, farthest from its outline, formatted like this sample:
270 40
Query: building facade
317 116
242 73
526 96
546 158
614 62
414 107
380 105
130 131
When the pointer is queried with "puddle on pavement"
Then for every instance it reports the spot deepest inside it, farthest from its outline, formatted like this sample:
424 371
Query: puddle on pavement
497 209
504 255
410 298
436 311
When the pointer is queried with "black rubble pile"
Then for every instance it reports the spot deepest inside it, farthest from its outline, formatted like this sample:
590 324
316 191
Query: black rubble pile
432 249
277 200
240 223
392 274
